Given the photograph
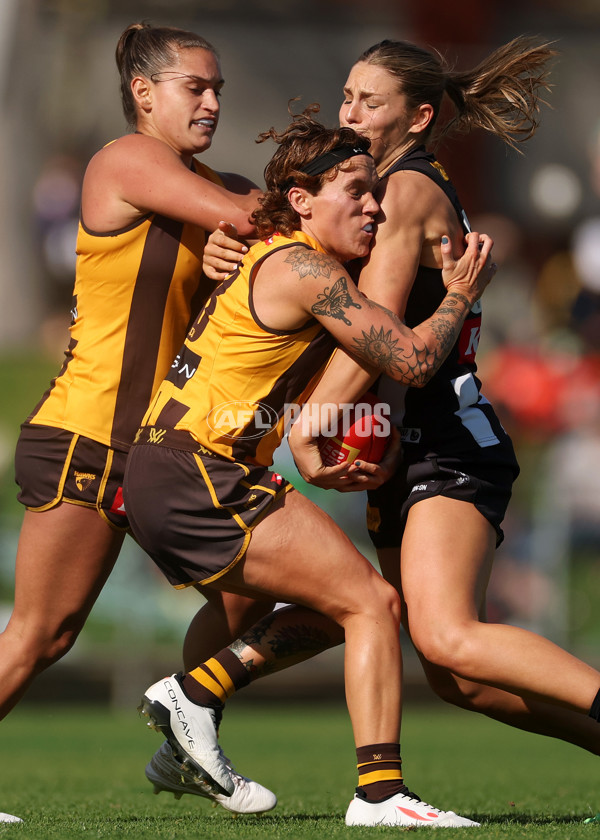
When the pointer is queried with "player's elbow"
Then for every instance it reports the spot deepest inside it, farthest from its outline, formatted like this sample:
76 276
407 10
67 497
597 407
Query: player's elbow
412 377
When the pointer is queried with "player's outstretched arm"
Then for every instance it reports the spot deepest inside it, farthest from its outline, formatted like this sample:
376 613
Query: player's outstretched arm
377 336
138 174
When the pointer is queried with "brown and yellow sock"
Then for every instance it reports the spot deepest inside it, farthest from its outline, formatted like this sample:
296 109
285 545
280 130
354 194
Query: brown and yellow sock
379 771
211 683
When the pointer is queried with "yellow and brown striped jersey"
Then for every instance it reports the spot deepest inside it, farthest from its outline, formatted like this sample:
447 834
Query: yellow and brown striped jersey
136 293
234 379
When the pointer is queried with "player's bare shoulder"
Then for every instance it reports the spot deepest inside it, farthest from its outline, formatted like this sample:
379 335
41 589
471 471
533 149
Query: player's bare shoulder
409 194
114 160
330 291
315 281
113 177
305 262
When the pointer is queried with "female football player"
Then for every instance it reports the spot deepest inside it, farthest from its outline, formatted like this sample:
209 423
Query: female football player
145 206
199 493
437 523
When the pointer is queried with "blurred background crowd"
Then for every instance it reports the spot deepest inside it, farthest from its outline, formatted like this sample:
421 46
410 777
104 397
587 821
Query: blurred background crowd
539 354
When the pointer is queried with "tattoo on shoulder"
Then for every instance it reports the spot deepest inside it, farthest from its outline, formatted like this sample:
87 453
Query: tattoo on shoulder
308 262
334 301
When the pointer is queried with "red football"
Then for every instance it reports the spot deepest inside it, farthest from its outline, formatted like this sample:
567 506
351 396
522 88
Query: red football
363 432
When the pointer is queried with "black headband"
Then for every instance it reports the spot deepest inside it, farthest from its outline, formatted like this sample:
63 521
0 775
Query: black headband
329 159
326 161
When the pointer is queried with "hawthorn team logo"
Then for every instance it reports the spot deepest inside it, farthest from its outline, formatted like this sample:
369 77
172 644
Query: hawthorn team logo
83 480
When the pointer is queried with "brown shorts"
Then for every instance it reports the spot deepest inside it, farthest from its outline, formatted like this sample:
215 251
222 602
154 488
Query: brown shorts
194 513
53 466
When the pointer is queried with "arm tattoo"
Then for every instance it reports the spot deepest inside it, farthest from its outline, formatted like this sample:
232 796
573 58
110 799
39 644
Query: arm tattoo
444 328
334 300
415 366
450 301
308 262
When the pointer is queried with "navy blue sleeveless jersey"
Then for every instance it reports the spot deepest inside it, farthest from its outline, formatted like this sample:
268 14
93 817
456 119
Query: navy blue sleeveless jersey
448 415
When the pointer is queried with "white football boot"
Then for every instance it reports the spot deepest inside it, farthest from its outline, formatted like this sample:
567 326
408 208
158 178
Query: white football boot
6 818
191 730
165 773
402 809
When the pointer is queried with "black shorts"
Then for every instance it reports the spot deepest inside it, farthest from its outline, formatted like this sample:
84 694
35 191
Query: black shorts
53 466
483 478
194 513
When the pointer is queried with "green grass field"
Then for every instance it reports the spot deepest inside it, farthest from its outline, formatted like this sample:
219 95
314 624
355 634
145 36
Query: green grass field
75 773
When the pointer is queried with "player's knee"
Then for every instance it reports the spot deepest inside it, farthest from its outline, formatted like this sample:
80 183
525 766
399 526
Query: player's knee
42 646
371 603
443 645
387 602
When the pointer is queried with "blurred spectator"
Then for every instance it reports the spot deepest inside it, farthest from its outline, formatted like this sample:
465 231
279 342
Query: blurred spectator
56 214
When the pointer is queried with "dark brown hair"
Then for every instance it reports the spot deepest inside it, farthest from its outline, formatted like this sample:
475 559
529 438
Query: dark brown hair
500 95
144 49
300 143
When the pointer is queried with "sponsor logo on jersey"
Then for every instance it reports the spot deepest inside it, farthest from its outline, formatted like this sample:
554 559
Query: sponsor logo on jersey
408 435
269 240
184 367
468 341
437 165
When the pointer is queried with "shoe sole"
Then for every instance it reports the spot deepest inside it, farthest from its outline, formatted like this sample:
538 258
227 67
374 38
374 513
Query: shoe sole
160 785
160 720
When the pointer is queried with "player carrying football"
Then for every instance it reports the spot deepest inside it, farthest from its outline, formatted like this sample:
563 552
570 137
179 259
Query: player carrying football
203 502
